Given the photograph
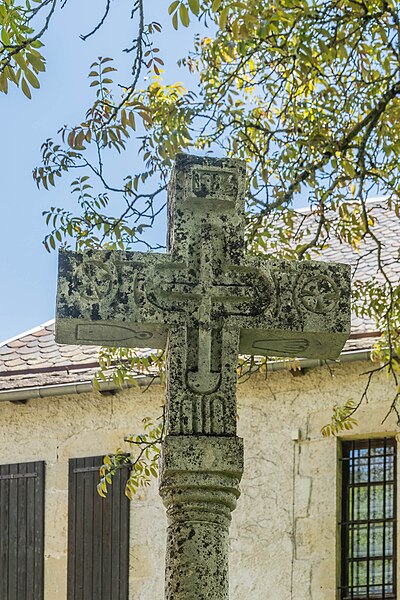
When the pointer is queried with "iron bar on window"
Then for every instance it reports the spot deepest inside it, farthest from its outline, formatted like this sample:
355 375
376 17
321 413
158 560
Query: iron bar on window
368 520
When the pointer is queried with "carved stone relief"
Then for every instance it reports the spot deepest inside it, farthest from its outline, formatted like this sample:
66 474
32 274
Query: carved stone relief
105 332
319 294
207 288
211 183
98 280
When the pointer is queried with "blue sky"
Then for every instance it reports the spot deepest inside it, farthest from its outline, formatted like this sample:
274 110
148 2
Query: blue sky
27 272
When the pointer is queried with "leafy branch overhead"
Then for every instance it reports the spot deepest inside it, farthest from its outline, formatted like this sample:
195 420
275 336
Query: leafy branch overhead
21 60
307 93
106 129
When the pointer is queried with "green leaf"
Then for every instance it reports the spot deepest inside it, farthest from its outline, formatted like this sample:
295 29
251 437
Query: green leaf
25 89
33 80
5 38
146 116
3 83
37 62
172 7
71 138
223 17
19 59
10 74
184 15
194 6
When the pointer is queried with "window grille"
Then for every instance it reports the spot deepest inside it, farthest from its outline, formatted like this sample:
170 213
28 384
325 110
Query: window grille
21 531
98 534
368 523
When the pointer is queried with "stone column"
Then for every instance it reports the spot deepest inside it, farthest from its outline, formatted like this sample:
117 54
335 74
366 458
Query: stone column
199 485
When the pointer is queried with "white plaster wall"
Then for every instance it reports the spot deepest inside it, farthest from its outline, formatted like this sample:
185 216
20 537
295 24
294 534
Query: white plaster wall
57 429
284 532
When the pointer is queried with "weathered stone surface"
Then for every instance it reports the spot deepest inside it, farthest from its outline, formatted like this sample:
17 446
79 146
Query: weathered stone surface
200 478
206 296
131 299
205 282
207 301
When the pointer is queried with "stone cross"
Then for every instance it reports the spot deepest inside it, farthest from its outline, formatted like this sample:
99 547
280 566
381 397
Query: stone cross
207 302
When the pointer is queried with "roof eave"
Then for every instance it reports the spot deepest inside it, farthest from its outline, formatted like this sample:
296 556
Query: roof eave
46 391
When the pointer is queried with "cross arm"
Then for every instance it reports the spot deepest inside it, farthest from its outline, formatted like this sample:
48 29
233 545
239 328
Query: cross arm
102 300
307 312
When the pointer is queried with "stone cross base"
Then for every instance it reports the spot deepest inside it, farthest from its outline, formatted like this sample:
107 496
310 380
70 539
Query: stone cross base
199 485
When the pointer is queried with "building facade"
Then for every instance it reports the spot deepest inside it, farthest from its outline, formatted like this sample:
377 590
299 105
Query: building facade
291 536
317 516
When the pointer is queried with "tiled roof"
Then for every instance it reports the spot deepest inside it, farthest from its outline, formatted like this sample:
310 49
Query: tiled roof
364 262
34 359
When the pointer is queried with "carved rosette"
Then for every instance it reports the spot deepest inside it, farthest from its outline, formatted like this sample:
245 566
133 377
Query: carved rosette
318 294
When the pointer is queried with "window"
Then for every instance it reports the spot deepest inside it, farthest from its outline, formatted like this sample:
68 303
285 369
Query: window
21 531
368 524
98 534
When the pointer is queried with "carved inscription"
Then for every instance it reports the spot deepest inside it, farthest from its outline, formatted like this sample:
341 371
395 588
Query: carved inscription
202 415
211 183
174 288
285 345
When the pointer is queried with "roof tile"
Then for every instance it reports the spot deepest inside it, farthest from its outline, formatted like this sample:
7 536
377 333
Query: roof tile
49 350
28 338
25 350
42 332
16 344
33 343
4 350
60 360
36 361
15 362
31 356
47 340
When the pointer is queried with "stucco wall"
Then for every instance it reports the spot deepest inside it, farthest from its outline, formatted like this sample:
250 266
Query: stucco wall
284 530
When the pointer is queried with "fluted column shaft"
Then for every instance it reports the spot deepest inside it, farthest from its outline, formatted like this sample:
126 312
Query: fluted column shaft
199 485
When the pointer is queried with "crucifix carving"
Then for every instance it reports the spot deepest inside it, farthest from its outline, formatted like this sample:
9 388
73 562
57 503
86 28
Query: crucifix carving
207 301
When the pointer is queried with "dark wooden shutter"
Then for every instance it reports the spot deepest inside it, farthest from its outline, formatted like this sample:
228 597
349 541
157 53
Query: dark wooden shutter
98 534
21 531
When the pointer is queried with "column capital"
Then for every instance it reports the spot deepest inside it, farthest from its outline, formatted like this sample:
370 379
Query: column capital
202 453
